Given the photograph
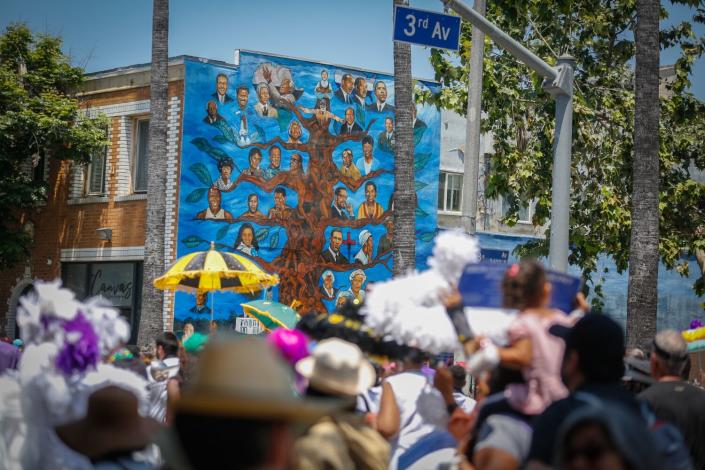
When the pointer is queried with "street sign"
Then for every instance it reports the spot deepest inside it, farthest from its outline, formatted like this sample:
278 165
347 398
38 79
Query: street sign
426 28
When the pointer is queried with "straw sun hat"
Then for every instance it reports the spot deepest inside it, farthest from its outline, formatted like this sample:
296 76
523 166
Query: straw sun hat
337 367
245 378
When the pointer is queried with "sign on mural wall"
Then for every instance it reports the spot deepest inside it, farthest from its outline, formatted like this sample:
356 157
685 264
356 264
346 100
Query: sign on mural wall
291 163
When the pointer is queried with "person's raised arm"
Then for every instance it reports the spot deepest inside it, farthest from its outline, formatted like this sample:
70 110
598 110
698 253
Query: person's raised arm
388 420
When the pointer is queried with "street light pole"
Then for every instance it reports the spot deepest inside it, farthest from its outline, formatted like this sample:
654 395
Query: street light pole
558 81
471 163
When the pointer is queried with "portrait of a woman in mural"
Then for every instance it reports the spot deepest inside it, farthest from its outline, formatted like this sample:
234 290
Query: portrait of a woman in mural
246 242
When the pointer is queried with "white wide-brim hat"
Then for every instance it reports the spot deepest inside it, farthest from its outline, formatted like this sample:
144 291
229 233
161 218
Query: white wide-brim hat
337 367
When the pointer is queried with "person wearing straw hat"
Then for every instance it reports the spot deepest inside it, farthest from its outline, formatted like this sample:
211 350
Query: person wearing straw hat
338 369
239 410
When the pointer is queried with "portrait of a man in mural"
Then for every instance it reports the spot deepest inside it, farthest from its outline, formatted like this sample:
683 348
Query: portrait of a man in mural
255 158
327 279
225 183
275 160
367 163
295 132
387 138
355 291
280 82
370 208
380 105
252 207
349 125
344 93
296 167
341 208
214 210
367 246
348 168
201 307
264 108
212 114
385 243
332 254
221 89
323 86
280 209
360 92
246 242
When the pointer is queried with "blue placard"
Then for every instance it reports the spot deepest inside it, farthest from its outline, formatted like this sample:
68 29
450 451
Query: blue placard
494 256
426 28
481 286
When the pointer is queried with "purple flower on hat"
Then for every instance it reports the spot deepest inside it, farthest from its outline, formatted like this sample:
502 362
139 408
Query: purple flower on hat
291 344
696 323
80 350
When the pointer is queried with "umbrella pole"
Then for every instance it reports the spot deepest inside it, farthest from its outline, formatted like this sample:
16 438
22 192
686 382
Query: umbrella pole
212 304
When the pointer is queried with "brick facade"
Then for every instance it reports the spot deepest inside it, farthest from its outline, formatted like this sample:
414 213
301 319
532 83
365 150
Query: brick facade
67 223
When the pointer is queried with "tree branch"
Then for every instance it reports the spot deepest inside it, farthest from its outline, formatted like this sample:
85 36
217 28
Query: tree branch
347 267
354 184
302 147
280 179
357 223
258 219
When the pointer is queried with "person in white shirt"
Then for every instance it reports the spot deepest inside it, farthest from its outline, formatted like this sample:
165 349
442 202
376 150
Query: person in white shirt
159 372
466 403
410 408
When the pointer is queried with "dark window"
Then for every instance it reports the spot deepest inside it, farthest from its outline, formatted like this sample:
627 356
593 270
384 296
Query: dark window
141 154
119 282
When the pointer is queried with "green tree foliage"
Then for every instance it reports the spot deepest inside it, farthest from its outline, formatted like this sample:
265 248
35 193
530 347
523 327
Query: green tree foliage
599 34
39 119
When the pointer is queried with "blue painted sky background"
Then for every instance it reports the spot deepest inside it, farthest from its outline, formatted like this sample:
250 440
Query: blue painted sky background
100 34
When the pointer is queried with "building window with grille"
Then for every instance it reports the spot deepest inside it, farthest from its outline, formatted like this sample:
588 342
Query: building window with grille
141 156
525 213
95 174
450 191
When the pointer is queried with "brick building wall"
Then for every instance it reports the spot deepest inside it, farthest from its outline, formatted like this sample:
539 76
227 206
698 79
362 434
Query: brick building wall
65 227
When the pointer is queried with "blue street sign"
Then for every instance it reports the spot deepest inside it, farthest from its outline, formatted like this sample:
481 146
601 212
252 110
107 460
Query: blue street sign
426 28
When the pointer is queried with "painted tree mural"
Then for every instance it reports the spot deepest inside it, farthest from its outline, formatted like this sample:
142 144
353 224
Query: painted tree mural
291 240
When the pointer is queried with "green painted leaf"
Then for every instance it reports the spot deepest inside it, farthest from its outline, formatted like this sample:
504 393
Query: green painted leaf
201 144
261 234
426 236
222 232
202 174
420 212
221 139
274 240
421 160
217 153
196 195
360 115
192 241
419 185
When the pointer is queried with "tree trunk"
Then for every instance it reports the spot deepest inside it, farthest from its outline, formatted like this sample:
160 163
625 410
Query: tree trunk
404 237
643 251
151 318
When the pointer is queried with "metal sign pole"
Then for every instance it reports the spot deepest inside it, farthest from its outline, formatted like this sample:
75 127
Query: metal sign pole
559 83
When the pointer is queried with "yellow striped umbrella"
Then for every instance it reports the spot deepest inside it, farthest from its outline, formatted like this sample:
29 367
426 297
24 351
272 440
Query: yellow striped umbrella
214 270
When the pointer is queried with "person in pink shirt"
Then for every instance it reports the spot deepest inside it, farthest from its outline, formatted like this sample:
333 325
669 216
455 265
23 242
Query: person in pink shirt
503 427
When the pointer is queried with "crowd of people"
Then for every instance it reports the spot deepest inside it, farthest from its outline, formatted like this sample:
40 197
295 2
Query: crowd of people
562 392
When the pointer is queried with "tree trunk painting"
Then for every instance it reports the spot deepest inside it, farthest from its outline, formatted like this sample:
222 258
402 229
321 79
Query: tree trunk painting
642 297
151 316
318 141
